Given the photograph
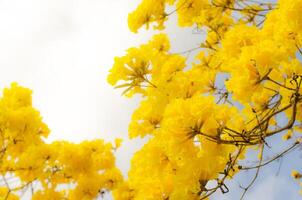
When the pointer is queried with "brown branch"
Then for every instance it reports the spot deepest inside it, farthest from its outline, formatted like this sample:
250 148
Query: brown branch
256 175
288 150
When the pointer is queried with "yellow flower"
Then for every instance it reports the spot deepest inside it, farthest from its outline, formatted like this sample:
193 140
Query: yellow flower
295 174
288 135
118 142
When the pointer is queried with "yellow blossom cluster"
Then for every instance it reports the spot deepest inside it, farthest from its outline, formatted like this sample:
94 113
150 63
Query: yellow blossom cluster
203 115
177 161
59 170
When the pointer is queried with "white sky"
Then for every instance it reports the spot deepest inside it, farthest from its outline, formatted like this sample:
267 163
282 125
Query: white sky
62 50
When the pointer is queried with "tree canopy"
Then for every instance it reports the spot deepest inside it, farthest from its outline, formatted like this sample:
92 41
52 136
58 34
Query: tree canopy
201 115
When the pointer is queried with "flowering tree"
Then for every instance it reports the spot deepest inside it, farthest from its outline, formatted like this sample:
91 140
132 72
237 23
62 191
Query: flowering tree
201 129
201 115
60 170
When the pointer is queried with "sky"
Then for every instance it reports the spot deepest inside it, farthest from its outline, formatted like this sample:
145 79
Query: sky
63 49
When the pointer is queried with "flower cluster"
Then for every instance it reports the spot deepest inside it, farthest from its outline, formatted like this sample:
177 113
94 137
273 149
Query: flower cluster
203 115
59 170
